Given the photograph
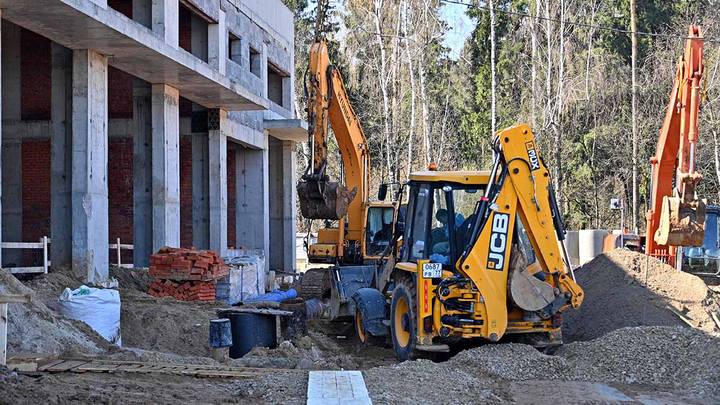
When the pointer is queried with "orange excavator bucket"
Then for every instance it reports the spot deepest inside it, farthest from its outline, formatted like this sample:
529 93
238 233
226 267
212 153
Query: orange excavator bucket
322 199
681 223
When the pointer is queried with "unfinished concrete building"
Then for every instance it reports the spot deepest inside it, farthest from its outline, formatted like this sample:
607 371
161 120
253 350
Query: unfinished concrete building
158 122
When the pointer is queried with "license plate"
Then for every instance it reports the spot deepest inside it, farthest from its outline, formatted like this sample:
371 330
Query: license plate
432 270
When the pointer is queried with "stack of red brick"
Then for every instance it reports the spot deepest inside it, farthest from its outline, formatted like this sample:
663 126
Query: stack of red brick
186 274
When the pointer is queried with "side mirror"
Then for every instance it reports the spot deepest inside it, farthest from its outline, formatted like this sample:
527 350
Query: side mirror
382 192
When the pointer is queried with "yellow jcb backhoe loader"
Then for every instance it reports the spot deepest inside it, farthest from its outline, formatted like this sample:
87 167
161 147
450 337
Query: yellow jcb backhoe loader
481 257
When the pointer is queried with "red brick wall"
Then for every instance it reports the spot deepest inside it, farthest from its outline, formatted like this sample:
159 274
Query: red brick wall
231 194
120 94
34 76
186 197
35 189
120 189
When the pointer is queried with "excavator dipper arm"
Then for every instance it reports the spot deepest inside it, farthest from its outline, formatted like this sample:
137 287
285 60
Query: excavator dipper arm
519 189
328 103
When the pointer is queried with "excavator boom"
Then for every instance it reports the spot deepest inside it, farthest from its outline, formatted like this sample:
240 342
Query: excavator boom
676 216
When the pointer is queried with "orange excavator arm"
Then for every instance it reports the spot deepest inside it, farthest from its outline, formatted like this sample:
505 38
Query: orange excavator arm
328 103
676 216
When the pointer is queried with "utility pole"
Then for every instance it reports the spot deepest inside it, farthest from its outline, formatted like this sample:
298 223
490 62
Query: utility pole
633 29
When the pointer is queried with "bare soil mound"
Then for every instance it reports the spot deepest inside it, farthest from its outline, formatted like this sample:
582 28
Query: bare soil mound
34 328
625 288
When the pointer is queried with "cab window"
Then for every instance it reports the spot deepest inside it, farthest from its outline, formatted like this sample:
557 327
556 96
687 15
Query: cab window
379 230
418 218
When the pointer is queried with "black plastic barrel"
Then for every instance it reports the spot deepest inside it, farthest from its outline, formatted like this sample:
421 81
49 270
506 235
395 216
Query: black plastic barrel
250 330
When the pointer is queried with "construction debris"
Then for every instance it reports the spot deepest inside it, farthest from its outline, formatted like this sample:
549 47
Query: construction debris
183 290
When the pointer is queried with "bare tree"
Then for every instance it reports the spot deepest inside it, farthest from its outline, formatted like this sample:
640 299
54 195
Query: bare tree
633 29
411 74
383 78
493 99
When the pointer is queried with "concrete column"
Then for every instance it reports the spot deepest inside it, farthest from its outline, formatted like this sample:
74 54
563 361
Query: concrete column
11 142
142 174
264 69
61 156
142 12
89 165
200 188
165 166
252 212
217 159
165 14
2 87
282 205
218 44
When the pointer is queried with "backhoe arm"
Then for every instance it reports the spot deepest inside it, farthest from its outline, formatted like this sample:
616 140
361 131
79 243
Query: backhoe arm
494 259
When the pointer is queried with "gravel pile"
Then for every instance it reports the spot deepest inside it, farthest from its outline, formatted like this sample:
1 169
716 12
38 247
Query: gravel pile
624 288
668 357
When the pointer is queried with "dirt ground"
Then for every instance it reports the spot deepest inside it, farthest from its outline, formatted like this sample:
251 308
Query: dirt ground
613 359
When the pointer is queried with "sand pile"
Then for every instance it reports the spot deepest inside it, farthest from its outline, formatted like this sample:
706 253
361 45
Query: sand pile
35 329
624 288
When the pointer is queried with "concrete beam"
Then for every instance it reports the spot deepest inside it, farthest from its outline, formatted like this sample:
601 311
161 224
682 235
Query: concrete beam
200 191
252 212
61 156
218 44
11 142
142 174
89 166
287 130
217 156
79 24
165 166
165 20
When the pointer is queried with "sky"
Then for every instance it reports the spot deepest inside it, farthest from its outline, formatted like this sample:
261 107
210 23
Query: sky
460 25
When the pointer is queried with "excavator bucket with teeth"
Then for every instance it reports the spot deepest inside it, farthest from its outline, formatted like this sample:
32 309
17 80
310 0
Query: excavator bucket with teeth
324 199
681 223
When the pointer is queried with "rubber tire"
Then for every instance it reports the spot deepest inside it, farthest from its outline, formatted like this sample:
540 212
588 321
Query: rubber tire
404 288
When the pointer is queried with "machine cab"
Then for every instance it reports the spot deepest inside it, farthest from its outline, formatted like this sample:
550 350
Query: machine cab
440 217
379 229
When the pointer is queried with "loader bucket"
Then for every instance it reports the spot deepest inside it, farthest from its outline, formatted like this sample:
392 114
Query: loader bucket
681 223
321 199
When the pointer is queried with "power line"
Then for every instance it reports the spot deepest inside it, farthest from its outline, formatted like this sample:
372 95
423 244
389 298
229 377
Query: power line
576 23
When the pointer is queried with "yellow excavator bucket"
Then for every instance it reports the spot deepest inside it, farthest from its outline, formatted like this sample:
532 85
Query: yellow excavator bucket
681 223
324 199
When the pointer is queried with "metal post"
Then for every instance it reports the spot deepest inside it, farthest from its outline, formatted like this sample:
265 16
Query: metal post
622 224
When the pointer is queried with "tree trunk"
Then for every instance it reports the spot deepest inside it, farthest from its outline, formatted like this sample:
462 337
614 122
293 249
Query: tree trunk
716 143
559 107
547 118
411 73
382 77
533 61
493 98
633 29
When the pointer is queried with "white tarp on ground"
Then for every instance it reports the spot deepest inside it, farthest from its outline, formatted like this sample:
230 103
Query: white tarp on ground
247 276
97 307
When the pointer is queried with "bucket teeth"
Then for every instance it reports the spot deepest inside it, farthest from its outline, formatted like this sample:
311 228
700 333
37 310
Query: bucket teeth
681 223
324 199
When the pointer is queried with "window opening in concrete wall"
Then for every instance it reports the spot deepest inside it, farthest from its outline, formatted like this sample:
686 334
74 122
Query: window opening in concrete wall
255 62
277 85
234 48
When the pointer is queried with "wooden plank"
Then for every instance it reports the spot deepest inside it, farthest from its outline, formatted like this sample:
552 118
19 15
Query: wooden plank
21 245
22 270
65 366
44 367
15 298
98 367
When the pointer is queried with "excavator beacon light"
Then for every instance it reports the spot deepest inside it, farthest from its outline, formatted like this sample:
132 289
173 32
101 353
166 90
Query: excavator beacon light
432 166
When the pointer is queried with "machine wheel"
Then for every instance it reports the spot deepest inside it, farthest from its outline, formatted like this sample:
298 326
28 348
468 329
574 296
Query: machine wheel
362 335
403 318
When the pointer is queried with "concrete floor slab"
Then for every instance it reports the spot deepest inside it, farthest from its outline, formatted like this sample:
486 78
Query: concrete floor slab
337 387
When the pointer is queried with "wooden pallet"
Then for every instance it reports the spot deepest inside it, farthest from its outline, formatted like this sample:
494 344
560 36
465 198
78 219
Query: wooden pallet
47 365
